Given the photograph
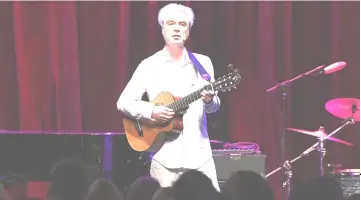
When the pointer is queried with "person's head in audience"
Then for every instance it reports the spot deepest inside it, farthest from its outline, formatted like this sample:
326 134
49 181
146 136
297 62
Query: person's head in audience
330 186
321 188
247 185
194 184
103 189
300 192
163 194
69 180
327 188
16 186
143 188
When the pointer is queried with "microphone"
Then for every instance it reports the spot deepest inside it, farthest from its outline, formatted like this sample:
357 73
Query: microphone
333 68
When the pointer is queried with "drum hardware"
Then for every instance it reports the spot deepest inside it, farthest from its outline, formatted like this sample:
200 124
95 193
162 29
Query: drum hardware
288 174
338 108
349 180
333 167
283 86
321 136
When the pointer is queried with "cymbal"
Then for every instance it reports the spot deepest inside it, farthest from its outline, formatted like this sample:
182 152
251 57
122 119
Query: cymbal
344 108
320 133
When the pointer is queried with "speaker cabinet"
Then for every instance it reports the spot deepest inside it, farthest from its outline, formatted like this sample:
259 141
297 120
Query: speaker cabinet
226 165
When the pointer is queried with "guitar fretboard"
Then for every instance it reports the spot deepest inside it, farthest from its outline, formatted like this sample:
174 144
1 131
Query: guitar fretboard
185 101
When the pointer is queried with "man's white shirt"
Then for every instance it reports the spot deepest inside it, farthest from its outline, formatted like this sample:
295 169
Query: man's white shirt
159 73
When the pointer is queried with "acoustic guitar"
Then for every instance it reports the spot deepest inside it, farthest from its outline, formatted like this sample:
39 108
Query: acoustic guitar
147 135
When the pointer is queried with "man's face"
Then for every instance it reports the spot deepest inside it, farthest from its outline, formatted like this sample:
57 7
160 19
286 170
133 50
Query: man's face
176 29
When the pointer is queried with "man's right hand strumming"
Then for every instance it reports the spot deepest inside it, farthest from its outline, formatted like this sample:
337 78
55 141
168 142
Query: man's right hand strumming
162 114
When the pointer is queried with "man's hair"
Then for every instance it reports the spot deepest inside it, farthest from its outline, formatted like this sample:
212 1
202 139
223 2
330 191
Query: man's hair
173 8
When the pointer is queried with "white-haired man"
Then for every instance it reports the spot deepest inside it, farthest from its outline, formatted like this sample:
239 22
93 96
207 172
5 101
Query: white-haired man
171 69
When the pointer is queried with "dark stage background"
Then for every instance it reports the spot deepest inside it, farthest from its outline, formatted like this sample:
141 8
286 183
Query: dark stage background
64 64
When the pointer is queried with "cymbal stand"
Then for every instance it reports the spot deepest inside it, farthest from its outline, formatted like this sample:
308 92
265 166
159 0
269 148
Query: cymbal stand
283 88
319 146
322 150
288 174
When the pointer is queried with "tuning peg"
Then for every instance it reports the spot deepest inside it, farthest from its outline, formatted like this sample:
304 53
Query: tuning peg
234 87
229 89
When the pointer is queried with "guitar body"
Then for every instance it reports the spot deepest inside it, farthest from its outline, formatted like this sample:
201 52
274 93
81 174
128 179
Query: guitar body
152 135
146 135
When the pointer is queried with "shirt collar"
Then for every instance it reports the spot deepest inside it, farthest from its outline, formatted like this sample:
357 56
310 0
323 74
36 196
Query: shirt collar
165 57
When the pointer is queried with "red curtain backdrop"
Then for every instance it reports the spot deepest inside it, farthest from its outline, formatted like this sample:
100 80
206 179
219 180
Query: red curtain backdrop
64 64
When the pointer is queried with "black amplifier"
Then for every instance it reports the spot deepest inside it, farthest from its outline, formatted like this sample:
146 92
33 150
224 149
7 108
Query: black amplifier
228 161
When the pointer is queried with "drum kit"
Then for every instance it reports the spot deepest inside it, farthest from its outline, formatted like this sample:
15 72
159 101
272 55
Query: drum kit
346 109
343 108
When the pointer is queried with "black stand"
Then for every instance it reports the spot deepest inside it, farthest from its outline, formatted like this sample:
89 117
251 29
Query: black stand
283 87
141 166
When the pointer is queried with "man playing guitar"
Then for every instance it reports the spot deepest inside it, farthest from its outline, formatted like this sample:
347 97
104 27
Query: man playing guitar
171 69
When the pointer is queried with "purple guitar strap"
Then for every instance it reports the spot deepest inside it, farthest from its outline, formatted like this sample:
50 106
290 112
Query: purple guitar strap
199 67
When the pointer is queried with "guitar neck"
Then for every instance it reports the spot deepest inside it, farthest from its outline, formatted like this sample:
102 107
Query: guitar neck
185 101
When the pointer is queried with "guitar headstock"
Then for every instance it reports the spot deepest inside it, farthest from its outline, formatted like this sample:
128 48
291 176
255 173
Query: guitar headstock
228 81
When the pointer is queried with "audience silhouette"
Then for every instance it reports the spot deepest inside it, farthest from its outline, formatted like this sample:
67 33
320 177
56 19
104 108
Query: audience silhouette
71 180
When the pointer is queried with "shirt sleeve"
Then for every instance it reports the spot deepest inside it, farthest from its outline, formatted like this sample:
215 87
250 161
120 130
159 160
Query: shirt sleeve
214 105
130 101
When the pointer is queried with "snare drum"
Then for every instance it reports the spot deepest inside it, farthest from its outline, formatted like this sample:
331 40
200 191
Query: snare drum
349 180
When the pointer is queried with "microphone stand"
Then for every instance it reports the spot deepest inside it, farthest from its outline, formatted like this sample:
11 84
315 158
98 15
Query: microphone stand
283 87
